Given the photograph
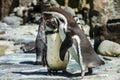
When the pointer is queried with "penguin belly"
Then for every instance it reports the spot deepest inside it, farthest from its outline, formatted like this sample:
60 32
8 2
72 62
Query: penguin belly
53 59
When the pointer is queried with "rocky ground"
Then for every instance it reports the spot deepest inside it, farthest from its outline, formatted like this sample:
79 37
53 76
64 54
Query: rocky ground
20 66
16 65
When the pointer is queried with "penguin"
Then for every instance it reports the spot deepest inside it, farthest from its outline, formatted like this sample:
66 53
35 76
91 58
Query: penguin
53 43
40 44
76 42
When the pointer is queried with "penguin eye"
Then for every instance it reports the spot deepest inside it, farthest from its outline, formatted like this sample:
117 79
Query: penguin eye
47 23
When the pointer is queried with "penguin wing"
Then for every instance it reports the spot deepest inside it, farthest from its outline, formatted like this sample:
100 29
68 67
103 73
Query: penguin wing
66 44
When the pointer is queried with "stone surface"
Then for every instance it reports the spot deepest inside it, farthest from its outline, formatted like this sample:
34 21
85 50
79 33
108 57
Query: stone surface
12 21
20 66
11 39
21 34
109 48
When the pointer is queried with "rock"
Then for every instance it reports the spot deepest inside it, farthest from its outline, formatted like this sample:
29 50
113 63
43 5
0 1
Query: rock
99 5
20 10
22 34
54 3
70 11
8 47
110 31
4 26
109 48
2 49
13 21
25 2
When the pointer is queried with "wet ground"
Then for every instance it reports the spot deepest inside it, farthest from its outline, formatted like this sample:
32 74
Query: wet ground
16 65
20 66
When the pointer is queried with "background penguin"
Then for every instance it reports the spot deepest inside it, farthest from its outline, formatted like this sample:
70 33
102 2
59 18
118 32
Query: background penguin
40 44
82 51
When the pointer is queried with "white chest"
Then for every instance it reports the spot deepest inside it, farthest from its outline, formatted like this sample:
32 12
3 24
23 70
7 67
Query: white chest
53 46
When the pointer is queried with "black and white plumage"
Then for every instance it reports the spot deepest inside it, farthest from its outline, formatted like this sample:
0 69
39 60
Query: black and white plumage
75 41
40 44
63 35
48 43
54 42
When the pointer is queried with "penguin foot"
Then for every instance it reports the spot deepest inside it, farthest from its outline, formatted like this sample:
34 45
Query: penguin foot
82 74
66 73
90 71
50 72
55 71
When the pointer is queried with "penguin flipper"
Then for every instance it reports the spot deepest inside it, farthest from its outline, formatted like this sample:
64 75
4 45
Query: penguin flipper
66 44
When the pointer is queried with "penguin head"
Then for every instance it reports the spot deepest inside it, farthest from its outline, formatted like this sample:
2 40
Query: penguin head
51 22
55 19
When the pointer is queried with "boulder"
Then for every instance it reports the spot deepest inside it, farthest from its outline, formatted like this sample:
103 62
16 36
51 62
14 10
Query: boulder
3 26
13 21
8 47
70 11
110 31
109 48
99 5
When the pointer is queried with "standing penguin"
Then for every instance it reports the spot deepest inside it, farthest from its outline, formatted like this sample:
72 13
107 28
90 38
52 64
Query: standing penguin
40 44
53 43
76 42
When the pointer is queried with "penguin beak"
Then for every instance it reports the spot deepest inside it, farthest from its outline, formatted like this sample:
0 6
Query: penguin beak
66 44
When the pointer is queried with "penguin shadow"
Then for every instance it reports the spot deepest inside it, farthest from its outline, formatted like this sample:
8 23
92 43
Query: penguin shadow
28 62
31 73
31 63
45 73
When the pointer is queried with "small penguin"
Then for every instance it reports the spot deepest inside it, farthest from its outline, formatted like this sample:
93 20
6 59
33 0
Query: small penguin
75 41
40 44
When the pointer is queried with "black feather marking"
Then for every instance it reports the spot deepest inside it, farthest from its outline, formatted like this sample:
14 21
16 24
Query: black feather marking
66 44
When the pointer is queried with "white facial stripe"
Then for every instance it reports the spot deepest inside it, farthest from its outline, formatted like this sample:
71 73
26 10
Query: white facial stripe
76 37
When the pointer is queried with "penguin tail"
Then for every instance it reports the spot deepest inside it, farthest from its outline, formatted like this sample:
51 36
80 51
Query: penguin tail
100 61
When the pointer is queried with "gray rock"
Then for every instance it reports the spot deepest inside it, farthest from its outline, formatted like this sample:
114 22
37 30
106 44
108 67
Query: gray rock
109 48
13 21
70 11
22 34
3 26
